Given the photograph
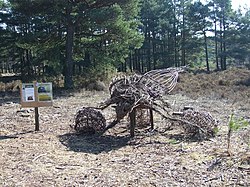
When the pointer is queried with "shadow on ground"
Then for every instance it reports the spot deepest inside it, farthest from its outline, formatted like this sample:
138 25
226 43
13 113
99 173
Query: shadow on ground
93 143
15 135
7 137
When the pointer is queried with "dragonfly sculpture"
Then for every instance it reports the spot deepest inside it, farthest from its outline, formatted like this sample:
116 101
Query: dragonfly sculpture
143 91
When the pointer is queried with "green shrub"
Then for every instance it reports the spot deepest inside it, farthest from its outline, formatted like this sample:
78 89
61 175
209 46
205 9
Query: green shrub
234 125
100 72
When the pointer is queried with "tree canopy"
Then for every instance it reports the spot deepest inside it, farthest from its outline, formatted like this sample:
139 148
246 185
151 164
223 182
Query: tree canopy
40 37
59 34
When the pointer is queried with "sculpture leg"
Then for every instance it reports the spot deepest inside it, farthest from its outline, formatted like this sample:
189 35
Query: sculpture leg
151 118
132 116
112 124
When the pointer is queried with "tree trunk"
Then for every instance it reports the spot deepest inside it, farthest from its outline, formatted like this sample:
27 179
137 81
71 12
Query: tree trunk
206 51
216 41
149 55
221 47
142 60
154 50
170 59
224 43
176 59
130 60
183 37
139 60
69 50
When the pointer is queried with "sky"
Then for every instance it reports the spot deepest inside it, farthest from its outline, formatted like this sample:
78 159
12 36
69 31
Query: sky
237 3
242 3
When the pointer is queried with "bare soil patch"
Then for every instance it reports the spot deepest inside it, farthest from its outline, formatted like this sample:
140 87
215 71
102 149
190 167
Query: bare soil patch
57 156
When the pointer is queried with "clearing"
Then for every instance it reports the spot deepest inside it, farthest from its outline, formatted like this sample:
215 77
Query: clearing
57 156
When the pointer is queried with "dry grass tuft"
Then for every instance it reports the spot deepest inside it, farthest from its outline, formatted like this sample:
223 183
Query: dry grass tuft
12 86
230 84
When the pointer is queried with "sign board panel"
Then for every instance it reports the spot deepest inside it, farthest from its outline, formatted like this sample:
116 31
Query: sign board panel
44 92
28 92
36 94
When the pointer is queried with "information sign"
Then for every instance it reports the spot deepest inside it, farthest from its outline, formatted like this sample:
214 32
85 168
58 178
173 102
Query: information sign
36 94
28 92
44 92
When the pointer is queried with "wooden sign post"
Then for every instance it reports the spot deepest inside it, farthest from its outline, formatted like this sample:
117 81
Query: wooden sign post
36 95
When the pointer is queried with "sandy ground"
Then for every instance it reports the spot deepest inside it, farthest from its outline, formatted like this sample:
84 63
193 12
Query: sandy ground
57 156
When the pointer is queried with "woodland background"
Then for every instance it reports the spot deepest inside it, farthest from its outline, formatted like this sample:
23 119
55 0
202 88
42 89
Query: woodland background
85 40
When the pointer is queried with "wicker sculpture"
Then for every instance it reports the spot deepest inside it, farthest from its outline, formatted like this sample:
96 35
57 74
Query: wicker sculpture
141 91
89 120
128 94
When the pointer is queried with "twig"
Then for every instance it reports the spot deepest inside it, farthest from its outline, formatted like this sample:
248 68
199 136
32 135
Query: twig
38 157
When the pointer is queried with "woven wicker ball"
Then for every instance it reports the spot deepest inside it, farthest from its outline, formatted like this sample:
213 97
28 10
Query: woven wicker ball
199 120
89 120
